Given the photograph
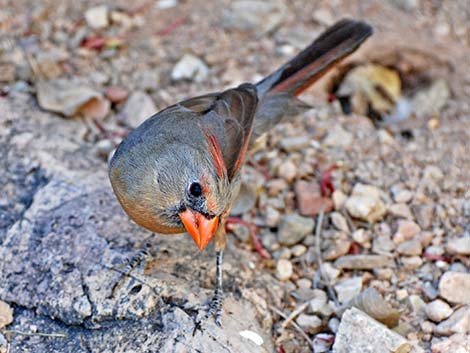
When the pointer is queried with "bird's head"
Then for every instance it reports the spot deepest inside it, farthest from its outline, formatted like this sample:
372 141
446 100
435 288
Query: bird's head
178 191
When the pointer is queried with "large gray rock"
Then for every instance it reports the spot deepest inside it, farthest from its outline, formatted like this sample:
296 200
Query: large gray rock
64 240
358 333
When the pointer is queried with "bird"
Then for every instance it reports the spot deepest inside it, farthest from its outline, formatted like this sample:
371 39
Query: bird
180 170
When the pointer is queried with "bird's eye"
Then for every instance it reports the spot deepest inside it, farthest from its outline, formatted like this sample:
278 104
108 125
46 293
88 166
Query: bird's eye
195 189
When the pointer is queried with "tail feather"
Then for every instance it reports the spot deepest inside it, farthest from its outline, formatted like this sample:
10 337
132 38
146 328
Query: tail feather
309 65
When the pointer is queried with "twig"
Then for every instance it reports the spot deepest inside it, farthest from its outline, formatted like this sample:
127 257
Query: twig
350 222
42 334
294 314
325 278
294 325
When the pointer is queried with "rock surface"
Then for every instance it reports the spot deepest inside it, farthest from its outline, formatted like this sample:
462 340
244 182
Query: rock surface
358 333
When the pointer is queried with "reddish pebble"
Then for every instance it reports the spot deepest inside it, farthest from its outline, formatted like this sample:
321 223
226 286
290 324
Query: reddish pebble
309 199
116 94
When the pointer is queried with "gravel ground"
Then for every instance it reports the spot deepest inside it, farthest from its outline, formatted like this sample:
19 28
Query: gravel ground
342 203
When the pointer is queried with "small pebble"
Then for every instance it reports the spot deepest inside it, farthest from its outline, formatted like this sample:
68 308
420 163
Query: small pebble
285 253
339 199
295 143
116 94
438 310
323 16
406 231
348 288
365 203
410 247
361 236
276 186
411 262
336 250
417 304
309 199
455 287
322 342
330 272
338 137
429 291
272 217
309 323
384 273
298 250
318 301
459 246
284 270
6 314
339 221
287 170
97 17
294 228
402 196
401 210
104 148
333 324
401 294
138 107
190 67
166 4
427 326
364 262
304 283
458 322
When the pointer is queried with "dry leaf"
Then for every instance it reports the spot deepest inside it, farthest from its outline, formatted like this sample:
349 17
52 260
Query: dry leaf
69 98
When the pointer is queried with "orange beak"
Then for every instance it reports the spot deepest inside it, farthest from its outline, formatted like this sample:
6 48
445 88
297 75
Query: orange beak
199 227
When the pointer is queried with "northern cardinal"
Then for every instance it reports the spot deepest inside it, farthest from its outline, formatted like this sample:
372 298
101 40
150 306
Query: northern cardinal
180 170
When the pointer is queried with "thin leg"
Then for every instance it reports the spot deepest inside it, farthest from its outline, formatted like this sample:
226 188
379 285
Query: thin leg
215 308
132 264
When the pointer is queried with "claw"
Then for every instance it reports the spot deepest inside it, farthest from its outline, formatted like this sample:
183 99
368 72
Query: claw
132 264
215 306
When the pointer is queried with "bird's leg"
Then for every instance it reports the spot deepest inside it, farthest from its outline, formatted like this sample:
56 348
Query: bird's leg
215 308
132 264
137 259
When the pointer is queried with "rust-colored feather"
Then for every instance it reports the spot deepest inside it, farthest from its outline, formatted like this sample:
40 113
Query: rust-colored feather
216 152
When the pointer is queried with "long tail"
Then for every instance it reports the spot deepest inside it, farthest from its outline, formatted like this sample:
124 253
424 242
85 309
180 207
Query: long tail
309 65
